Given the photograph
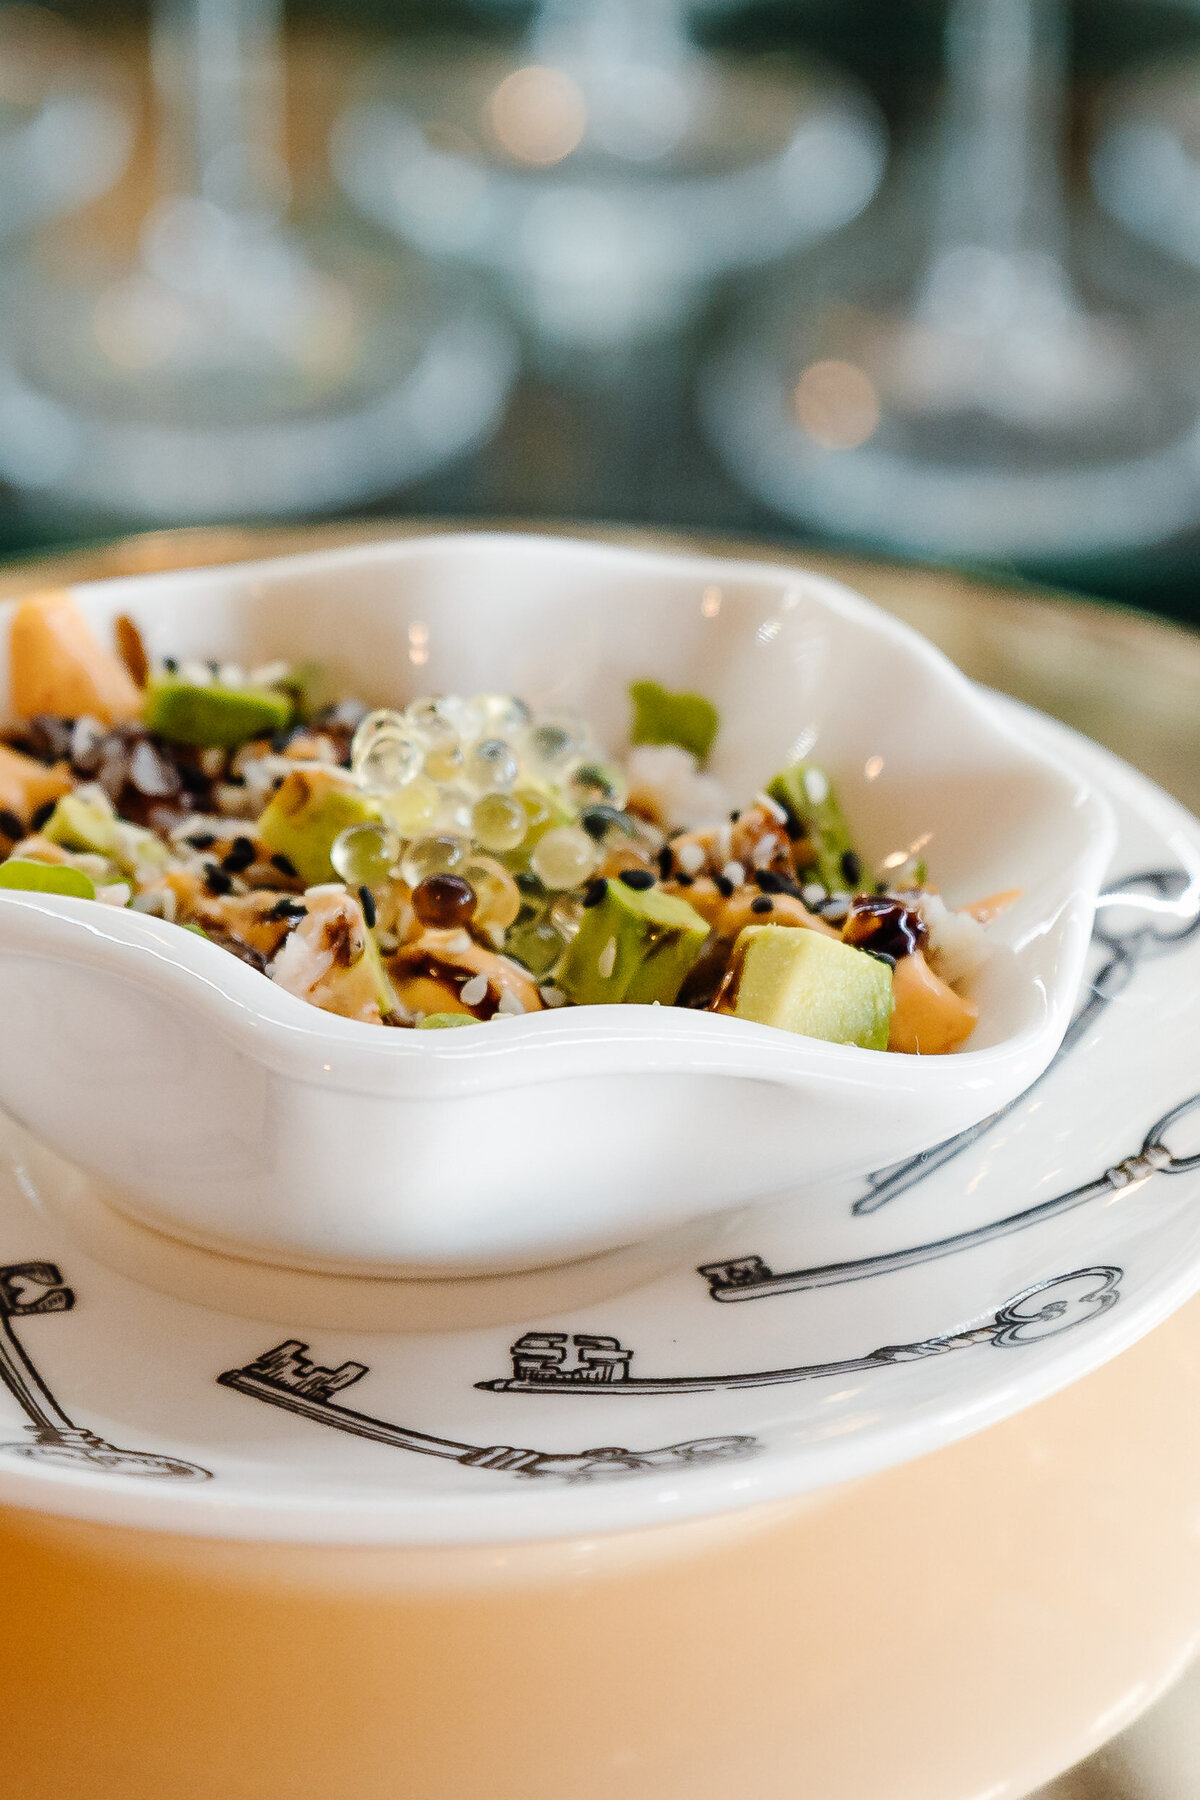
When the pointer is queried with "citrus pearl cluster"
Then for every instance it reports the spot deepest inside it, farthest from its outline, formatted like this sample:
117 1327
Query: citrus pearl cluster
482 790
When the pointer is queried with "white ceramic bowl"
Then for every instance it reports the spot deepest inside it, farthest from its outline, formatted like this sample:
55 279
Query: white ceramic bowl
229 1113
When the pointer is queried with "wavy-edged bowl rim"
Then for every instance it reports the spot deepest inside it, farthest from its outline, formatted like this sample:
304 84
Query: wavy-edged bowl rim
277 1028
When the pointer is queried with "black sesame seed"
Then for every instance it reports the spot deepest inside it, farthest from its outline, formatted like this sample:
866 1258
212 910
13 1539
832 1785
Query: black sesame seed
724 886
794 889
287 908
666 862
170 665
764 904
685 880
280 741
734 816
880 956
769 881
240 856
203 840
194 780
10 825
283 863
367 901
216 880
638 879
43 815
528 883
595 891
215 667
851 868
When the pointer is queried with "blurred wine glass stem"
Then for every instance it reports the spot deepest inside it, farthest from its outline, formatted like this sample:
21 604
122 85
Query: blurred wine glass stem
999 219
639 74
218 79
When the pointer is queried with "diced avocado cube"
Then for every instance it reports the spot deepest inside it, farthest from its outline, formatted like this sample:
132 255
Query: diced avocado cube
33 877
660 717
212 716
806 794
308 812
803 981
84 825
445 1021
635 945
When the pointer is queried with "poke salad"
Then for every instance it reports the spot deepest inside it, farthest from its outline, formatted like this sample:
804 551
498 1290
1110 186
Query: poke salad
456 861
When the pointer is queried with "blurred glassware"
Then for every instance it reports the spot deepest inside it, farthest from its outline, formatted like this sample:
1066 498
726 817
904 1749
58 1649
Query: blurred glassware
242 364
65 130
610 169
1146 162
953 378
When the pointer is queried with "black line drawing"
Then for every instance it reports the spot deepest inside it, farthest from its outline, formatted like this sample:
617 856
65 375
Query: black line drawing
286 1377
750 1278
601 1365
1124 951
28 1290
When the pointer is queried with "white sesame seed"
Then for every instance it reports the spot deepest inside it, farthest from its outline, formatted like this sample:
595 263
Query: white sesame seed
195 674
473 991
608 960
690 858
764 850
776 811
510 1004
115 894
816 786
269 674
552 997
813 893
457 944
734 872
231 675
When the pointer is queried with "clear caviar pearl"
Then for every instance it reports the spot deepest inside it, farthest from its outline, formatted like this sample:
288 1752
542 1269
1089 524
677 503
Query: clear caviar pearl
504 715
444 757
441 854
499 897
492 764
455 807
610 828
365 855
369 727
597 783
553 746
413 807
499 822
389 761
566 916
564 857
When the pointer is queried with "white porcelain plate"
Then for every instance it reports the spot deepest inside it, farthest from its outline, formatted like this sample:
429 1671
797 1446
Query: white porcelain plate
163 1386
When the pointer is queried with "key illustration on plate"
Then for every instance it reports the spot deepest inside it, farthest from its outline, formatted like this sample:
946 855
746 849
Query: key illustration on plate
287 1377
751 1278
1169 901
31 1290
546 1362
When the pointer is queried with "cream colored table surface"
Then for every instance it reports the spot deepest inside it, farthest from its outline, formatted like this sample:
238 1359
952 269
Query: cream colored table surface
1097 1491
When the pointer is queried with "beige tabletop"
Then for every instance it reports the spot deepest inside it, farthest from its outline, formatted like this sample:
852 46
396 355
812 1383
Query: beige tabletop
967 1663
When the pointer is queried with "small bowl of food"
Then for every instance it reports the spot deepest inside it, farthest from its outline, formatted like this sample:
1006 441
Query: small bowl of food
477 902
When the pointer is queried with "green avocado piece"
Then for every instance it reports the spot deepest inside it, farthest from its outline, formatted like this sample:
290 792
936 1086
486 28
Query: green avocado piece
660 717
445 1021
802 981
307 813
806 794
78 824
212 716
32 877
635 945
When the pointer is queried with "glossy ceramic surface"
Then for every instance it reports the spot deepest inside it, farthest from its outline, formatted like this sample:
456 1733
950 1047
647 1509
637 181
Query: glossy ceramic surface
191 1392
221 1109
